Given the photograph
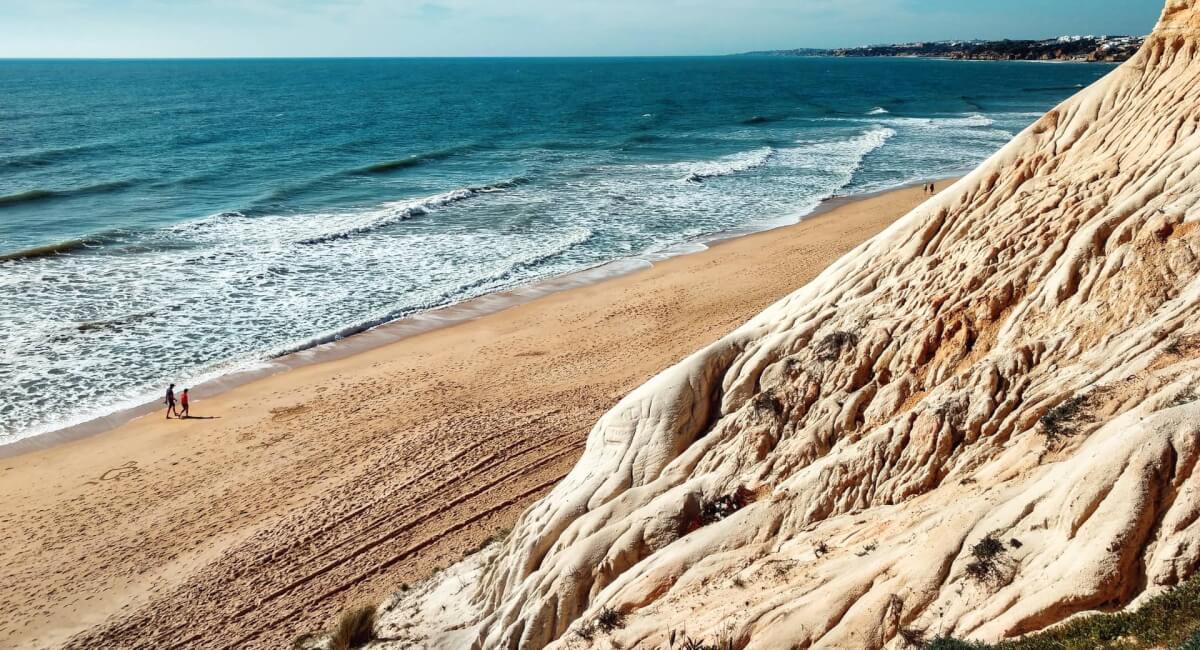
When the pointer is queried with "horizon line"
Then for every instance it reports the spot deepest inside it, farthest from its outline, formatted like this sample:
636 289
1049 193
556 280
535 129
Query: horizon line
300 57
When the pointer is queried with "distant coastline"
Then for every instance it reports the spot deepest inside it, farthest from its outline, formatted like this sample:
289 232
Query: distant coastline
1089 49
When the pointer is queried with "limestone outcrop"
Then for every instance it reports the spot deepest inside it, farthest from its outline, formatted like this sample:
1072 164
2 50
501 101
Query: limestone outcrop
982 422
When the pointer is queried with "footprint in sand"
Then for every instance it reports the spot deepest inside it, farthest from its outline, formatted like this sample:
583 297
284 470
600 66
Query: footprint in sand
121 471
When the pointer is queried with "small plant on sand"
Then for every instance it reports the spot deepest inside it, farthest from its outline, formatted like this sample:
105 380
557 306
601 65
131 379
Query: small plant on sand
494 538
1182 345
1059 421
867 550
832 345
586 631
609 619
699 644
821 549
947 643
987 548
355 628
912 637
986 552
1185 397
713 511
767 402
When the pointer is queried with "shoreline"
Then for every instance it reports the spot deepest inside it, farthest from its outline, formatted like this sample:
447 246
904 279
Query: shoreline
376 336
300 494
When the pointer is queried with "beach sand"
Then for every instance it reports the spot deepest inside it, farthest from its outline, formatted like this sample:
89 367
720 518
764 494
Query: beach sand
336 482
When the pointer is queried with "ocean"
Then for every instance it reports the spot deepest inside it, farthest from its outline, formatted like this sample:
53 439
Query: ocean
181 220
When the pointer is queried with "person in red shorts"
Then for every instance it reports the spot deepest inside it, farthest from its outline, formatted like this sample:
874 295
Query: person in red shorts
183 404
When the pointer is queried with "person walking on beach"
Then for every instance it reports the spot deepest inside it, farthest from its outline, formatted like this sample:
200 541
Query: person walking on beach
170 401
183 405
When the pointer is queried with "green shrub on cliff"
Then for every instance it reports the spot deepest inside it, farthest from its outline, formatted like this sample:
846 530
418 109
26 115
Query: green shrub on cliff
1169 620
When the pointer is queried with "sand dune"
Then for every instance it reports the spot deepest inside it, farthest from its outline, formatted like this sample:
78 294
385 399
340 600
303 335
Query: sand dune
981 422
334 483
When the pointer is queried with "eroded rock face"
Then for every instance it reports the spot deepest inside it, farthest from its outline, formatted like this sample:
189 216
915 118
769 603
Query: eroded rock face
1013 363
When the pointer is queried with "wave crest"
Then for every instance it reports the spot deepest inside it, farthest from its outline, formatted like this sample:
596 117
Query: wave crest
49 250
47 157
728 165
410 161
397 211
27 197
35 195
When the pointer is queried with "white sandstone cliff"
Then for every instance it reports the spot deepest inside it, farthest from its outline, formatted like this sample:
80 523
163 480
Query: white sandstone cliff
1015 359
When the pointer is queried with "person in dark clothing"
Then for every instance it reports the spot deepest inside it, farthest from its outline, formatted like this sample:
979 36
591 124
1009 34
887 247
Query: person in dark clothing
170 401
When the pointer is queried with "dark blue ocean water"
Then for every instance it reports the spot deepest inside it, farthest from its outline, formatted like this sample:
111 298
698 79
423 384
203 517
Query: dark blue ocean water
179 220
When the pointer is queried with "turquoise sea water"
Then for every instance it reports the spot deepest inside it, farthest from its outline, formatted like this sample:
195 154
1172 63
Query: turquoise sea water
179 220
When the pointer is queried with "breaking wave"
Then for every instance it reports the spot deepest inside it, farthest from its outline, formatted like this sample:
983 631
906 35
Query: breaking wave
729 165
397 211
59 248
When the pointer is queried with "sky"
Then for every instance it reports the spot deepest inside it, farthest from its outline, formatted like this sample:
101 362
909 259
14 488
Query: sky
305 28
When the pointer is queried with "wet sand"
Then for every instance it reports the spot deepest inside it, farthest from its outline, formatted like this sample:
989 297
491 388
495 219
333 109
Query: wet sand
336 482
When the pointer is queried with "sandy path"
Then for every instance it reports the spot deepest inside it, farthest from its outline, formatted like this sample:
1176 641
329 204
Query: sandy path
336 482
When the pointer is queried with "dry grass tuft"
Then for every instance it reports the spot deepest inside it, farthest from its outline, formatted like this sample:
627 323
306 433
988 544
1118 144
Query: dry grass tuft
913 638
609 619
987 553
355 628
1060 420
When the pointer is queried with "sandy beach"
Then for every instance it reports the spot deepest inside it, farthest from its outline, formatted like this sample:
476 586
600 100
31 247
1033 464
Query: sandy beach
336 482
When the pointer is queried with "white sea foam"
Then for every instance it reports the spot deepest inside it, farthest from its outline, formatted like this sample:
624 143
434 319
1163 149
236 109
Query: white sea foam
878 110
837 162
974 120
726 166
967 120
356 223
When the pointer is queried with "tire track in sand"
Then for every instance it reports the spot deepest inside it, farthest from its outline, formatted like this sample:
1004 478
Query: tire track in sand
531 465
